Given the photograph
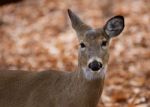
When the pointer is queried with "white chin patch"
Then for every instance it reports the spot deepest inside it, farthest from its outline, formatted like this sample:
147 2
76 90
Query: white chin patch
92 75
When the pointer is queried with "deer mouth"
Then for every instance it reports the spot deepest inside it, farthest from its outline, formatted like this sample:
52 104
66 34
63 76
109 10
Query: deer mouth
97 71
90 74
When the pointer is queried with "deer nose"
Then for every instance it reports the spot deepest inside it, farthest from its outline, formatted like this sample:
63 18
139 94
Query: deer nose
95 65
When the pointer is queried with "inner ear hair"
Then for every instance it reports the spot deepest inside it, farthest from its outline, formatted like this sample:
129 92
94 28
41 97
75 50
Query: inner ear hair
114 26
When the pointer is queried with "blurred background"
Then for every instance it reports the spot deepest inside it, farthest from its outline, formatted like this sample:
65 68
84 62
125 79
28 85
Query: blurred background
36 35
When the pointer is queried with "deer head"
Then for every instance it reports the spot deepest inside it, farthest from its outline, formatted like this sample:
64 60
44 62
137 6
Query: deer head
94 44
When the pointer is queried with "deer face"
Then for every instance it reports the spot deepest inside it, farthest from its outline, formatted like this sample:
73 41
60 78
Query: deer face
93 51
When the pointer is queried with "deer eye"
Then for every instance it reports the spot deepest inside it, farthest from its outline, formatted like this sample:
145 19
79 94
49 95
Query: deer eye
104 44
82 45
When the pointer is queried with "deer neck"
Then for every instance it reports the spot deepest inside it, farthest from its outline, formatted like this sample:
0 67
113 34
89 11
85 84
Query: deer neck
96 82
92 89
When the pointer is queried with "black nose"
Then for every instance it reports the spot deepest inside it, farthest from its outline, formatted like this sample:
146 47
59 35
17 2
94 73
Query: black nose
95 65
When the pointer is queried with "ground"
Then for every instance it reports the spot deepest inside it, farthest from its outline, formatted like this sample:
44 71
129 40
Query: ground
37 35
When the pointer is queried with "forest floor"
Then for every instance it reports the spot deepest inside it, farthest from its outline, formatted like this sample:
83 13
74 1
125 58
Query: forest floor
37 35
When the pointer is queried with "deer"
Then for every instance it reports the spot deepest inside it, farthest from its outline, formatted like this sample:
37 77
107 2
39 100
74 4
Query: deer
52 88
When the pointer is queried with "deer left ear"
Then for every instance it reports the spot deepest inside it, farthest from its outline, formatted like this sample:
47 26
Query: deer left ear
75 20
114 26
77 23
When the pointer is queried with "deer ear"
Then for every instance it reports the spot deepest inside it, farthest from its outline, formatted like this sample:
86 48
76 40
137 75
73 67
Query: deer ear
75 20
77 23
114 26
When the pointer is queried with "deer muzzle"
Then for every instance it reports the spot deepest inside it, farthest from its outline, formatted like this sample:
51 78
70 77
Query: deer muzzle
95 65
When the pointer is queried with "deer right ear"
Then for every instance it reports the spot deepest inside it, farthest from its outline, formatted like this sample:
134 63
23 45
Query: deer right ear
114 26
76 22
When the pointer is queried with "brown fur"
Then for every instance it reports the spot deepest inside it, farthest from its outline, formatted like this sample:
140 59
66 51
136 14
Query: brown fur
47 89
